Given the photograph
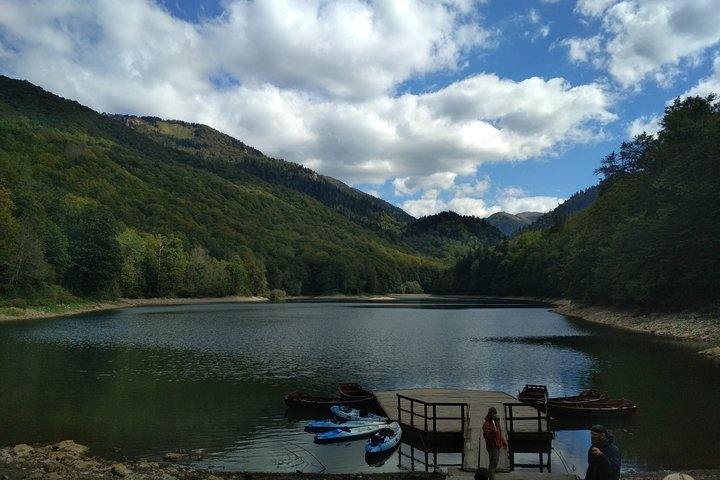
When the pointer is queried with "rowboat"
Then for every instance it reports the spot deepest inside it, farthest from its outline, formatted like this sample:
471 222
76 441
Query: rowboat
346 433
385 439
533 394
353 390
350 413
332 424
611 407
586 396
539 394
298 399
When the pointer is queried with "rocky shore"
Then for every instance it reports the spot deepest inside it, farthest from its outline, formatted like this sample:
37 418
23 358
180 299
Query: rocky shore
68 460
688 325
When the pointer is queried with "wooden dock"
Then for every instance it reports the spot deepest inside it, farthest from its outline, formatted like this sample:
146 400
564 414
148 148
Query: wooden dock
478 402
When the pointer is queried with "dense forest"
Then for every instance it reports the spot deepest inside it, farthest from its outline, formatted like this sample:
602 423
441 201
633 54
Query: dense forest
100 206
650 240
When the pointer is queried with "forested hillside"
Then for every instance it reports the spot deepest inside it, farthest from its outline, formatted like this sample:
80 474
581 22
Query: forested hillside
95 206
231 159
651 239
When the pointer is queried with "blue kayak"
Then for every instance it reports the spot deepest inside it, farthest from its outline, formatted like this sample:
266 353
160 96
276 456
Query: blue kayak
332 424
350 413
347 433
384 439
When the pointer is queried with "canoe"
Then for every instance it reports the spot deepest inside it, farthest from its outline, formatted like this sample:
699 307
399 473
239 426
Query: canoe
345 433
385 439
332 424
353 390
350 413
299 399
612 407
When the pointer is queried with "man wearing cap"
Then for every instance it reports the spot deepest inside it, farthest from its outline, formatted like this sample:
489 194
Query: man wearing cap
603 456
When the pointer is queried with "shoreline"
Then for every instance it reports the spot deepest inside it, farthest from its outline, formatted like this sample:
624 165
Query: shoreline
691 326
20 314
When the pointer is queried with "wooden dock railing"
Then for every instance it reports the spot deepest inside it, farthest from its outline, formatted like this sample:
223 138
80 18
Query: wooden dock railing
436 417
528 432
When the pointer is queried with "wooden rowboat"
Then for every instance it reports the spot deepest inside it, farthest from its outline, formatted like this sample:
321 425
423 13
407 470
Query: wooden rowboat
353 390
538 394
613 407
298 399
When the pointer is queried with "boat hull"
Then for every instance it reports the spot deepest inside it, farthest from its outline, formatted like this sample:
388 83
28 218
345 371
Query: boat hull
345 434
351 413
385 439
305 400
601 408
331 424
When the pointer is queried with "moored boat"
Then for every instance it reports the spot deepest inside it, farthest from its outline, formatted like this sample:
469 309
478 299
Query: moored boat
385 439
583 397
298 399
351 413
611 407
353 390
332 424
533 394
538 394
346 433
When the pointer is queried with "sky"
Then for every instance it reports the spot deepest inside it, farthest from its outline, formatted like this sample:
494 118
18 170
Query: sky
470 106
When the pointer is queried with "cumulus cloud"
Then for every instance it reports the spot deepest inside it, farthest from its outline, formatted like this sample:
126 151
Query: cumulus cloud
707 85
647 39
645 124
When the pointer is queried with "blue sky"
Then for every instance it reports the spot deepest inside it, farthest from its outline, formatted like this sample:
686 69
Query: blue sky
470 106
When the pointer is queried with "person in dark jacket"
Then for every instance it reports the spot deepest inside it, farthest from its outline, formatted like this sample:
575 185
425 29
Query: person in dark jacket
494 440
603 456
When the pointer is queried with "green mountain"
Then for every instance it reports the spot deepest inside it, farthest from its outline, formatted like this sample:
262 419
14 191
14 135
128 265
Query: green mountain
104 205
448 233
578 201
231 159
510 224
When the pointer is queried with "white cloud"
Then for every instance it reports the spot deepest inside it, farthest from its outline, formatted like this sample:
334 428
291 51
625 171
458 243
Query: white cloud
709 84
514 200
363 49
582 49
467 199
644 39
645 124
593 8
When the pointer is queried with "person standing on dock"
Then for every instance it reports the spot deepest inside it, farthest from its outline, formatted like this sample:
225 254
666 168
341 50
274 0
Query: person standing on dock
603 455
494 440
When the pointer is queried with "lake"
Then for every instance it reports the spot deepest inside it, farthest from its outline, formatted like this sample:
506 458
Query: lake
210 379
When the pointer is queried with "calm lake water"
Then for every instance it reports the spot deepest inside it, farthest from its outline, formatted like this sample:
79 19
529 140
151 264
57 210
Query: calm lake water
210 379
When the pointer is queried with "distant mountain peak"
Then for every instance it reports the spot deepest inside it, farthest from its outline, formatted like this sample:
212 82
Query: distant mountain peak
509 223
